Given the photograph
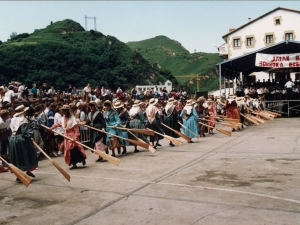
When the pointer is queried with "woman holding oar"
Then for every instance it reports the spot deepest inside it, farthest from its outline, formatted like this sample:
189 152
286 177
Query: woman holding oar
190 119
171 119
137 121
73 152
22 152
154 121
112 119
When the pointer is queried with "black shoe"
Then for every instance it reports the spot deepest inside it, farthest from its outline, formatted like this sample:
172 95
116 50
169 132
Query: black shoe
191 142
106 151
158 144
113 155
73 167
136 150
124 152
155 147
30 174
99 159
83 162
119 151
171 144
18 180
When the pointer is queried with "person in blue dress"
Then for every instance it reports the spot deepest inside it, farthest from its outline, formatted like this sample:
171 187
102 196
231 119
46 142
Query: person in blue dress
112 119
190 119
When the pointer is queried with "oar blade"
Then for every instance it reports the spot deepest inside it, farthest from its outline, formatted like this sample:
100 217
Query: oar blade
175 141
62 171
109 158
226 132
25 179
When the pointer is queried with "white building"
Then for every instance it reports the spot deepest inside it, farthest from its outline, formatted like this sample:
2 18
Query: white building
275 26
167 85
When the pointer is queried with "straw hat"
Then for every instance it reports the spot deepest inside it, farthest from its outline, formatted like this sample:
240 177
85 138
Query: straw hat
107 102
93 103
66 107
137 103
153 101
172 99
118 104
209 100
189 102
200 99
20 110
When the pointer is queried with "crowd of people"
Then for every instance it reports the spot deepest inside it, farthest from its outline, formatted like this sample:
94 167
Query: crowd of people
45 120
284 89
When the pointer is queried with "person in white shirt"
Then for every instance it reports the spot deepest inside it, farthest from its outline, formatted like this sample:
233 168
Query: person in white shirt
51 92
289 85
21 88
8 96
87 93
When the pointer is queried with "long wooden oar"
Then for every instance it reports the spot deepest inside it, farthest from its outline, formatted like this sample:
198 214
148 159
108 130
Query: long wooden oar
178 133
189 130
258 119
232 120
174 140
274 113
141 131
61 170
266 115
226 132
101 154
24 178
235 126
141 144
250 119
150 148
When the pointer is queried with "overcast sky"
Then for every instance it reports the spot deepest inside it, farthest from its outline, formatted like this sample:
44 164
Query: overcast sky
197 25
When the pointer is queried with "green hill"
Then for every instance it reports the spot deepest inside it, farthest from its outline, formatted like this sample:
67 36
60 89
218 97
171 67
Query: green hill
64 53
170 54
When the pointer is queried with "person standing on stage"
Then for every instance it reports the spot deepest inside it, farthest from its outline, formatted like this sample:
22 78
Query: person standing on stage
154 121
171 120
22 152
73 152
190 119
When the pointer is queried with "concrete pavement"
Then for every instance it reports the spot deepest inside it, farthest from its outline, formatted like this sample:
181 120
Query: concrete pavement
249 178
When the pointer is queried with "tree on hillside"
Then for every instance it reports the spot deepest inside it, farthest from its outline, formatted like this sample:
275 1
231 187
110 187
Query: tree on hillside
13 35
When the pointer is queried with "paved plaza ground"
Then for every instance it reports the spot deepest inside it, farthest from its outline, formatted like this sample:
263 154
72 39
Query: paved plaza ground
249 178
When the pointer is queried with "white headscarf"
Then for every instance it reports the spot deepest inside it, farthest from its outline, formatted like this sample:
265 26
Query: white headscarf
134 110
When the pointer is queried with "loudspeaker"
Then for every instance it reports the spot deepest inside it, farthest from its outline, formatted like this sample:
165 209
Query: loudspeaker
202 93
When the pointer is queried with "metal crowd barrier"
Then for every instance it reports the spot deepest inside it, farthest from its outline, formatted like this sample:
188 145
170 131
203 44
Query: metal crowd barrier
85 135
287 107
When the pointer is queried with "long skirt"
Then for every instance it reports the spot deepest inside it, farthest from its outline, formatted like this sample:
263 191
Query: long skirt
76 156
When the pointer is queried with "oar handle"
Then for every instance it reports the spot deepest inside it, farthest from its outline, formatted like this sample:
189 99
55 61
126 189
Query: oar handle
188 129
206 125
40 149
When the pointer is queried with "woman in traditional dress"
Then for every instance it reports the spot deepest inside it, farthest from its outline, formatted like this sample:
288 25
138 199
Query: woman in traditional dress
125 119
22 151
171 119
137 121
232 109
73 152
95 119
112 119
190 119
154 121
212 112
201 111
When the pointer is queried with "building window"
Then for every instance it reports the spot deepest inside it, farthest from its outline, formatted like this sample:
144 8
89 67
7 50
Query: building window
236 42
269 39
277 22
250 41
289 36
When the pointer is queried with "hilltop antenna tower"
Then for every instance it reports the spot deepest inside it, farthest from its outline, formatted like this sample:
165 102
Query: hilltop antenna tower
94 18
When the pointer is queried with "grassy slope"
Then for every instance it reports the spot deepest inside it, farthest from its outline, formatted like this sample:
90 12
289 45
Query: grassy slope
171 55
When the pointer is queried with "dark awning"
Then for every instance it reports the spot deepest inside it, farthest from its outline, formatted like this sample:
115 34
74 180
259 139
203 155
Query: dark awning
246 63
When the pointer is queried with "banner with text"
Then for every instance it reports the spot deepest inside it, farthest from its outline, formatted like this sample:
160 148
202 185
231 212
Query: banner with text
277 61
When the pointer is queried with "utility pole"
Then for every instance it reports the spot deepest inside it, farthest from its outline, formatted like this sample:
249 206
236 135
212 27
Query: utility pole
94 18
